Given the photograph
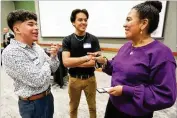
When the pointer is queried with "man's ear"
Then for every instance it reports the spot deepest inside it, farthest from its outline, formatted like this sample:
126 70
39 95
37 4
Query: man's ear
73 24
16 29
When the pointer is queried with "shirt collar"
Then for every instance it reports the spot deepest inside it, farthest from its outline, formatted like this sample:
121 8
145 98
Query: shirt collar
23 45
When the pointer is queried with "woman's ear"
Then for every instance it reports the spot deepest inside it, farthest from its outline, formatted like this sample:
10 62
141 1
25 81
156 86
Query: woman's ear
144 24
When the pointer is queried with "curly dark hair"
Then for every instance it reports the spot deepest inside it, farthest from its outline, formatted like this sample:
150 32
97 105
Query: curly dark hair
75 12
20 15
149 10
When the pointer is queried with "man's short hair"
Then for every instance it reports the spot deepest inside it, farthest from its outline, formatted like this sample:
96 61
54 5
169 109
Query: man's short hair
20 15
75 12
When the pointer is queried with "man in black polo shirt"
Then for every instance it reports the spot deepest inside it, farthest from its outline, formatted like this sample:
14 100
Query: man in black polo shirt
81 66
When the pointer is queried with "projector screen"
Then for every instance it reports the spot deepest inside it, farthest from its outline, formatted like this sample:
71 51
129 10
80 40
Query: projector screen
106 18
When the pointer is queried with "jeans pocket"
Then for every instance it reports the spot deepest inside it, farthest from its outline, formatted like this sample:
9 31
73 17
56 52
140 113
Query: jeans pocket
26 108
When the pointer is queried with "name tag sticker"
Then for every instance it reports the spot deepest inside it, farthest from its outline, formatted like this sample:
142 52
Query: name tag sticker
36 61
87 45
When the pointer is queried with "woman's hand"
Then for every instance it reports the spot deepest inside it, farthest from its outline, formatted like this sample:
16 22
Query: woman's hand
101 60
116 91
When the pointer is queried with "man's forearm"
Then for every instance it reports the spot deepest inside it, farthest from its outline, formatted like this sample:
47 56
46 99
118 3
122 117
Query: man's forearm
75 62
87 64
54 63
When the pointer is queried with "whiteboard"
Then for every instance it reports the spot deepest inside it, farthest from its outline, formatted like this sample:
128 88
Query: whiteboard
106 18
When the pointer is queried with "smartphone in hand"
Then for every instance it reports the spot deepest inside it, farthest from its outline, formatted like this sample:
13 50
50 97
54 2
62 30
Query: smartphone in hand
103 90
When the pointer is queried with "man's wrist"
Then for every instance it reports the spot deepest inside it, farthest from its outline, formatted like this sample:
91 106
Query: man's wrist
87 58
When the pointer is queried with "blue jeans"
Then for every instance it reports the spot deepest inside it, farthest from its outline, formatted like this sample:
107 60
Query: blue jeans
41 108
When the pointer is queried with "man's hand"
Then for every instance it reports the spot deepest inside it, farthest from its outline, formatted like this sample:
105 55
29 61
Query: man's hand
97 57
89 61
95 54
92 62
116 91
89 57
54 50
100 59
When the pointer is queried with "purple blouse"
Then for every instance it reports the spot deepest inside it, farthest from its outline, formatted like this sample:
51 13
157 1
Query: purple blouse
148 77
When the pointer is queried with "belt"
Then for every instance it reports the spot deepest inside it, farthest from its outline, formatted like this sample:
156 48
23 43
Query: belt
37 96
83 77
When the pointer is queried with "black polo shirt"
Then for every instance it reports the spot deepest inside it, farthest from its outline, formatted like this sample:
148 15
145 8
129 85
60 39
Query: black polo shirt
78 48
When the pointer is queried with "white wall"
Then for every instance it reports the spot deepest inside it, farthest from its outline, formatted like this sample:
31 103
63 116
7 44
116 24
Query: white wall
170 31
106 18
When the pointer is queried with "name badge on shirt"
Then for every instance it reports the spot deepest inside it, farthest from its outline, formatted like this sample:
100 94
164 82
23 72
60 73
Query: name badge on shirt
87 45
36 61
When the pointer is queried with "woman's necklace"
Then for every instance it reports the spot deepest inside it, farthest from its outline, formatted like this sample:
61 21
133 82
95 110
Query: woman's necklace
140 45
132 49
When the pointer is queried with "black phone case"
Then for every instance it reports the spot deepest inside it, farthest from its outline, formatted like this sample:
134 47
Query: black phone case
101 90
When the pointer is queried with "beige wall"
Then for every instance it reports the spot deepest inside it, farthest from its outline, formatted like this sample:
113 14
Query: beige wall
170 29
6 7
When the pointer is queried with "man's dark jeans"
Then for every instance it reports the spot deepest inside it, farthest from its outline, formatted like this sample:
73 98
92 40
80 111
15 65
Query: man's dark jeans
41 108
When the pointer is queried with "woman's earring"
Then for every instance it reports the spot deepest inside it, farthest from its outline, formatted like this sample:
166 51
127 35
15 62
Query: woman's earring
141 32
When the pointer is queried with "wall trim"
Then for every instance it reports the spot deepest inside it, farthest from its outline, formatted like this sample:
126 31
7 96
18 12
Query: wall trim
102 48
